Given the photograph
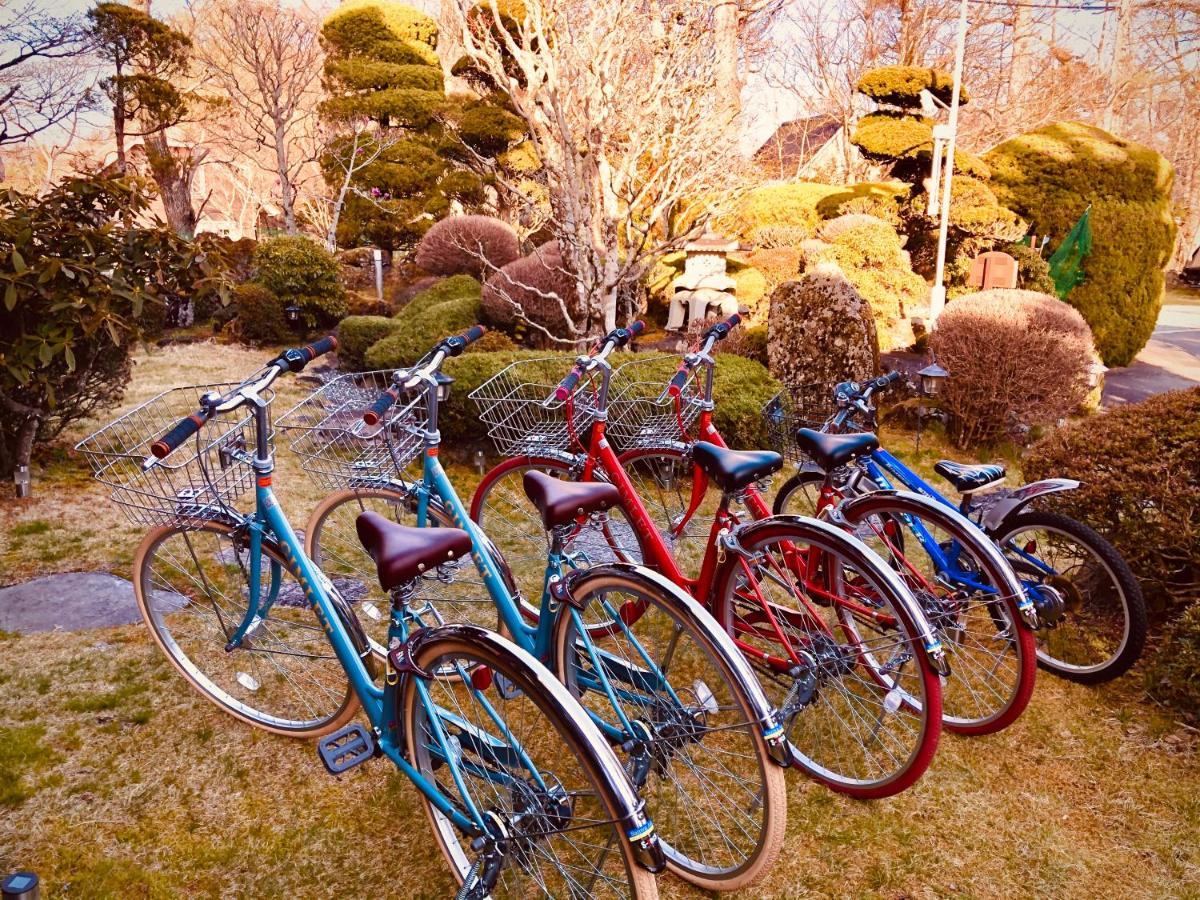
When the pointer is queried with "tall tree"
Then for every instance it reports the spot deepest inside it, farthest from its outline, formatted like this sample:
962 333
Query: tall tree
265 62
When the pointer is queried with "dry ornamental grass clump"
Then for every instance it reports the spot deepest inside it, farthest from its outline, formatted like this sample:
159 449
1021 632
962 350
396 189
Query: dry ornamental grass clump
1015 358
468 245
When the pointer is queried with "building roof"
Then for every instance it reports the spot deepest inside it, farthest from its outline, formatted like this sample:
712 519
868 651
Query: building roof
794 143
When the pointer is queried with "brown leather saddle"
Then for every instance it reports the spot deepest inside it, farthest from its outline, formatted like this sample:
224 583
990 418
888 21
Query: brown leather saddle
560 502
401 552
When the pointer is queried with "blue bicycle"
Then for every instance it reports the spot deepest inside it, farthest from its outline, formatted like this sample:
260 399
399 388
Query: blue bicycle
1091 616
524 794
658 676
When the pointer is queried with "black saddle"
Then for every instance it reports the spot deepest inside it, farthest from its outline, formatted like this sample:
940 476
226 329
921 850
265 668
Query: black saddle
560 501
968 478
832 450
401 552
732 470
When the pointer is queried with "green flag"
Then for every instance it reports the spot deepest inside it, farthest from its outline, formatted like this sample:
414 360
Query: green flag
1066 263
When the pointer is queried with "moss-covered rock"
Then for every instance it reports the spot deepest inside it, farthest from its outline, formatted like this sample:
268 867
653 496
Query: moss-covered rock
1051 175
820 332
902 85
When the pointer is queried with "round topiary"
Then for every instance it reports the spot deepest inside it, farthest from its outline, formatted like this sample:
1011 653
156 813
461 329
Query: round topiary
820 332
887 137
777 264
878 199
418 328
902 85
1138 463
532 292
1033 272
298 270
356 335
470 245
1016 360
1051 175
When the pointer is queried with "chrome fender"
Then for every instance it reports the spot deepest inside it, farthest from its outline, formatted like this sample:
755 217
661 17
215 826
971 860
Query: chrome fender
857 508
639 829
996 515
859 554
686 607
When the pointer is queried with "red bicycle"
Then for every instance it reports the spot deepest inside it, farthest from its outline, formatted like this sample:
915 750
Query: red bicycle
841 645
977 616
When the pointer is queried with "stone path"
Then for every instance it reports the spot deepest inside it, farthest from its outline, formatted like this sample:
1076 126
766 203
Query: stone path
1171 359
73 602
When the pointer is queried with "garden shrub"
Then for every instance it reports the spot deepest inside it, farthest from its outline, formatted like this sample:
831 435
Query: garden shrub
871 255
493 342
467 245
820 332
1015 359
748 341
444 289
751 293
1139 465
886 137
260 315
356 335
531 291
777 265
298 270
1050 176
741 387
873 198
1033 272
420 327
777 215
902 85
1173 673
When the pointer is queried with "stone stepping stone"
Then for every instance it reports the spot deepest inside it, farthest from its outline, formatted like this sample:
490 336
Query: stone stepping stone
74 601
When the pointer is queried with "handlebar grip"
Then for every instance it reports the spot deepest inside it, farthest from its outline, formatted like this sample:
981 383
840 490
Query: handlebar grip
163 447
637 328
563 391
382 404
721 329
456 344
678 380
295 359
893 377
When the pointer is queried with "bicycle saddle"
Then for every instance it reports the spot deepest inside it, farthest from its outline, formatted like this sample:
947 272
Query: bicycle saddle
832 450
401 552
732 470
967 479
560 501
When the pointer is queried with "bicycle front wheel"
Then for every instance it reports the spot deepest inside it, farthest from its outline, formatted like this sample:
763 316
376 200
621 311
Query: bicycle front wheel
501 746
858 697
663 683
1103 629
192 584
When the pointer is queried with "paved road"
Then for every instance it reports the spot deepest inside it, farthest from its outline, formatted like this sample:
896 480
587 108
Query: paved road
1170 361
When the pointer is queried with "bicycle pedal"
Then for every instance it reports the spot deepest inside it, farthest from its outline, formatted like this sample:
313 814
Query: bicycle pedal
346 748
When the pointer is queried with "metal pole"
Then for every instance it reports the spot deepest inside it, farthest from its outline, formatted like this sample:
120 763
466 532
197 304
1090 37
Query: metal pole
937 296
377 254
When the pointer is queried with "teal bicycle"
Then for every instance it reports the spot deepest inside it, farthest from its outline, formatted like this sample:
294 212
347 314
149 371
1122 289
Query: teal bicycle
524 794
656 673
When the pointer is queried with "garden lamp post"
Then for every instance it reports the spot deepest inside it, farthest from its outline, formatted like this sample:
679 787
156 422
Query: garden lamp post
937 295
929 384
291 314
1095 375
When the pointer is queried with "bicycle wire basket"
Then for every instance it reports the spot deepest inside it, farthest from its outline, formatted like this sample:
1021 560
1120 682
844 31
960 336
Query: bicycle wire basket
784 417
195 482
338 448
520 418
637 418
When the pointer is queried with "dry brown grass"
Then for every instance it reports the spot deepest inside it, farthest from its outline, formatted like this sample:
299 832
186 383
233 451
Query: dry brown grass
117 780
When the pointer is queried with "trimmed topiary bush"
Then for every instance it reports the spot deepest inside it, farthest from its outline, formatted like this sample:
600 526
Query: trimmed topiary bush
777 215
752 294
298 270
1173 675
880 199
530 293
493 342
444 289
467 245
820 332
419 328
777 265
356 335
1015 359
1138 464
1049 176
871 255
1033 272
902 85
886 137
260 316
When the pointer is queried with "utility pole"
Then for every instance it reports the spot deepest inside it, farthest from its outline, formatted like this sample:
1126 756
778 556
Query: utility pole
937 295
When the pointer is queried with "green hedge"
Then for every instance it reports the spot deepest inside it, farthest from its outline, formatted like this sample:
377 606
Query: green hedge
260 316
741 388
902 85
1049 176
356 335
887 137
1173 674
417 332
1138 464
298 270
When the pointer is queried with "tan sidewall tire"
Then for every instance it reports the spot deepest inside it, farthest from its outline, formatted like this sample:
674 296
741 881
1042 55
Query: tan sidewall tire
349 706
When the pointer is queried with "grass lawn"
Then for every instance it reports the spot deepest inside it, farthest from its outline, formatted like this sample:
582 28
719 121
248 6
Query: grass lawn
116 780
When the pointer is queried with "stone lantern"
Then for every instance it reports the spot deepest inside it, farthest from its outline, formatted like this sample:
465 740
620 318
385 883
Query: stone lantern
704 282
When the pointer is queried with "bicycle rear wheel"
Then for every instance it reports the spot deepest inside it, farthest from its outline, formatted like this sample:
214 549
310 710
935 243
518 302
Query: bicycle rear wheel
192 587
526 769
858 696
690 726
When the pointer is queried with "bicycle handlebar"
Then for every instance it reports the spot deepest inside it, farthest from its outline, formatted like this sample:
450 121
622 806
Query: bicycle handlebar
448 346
291 360
618 337
712 334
